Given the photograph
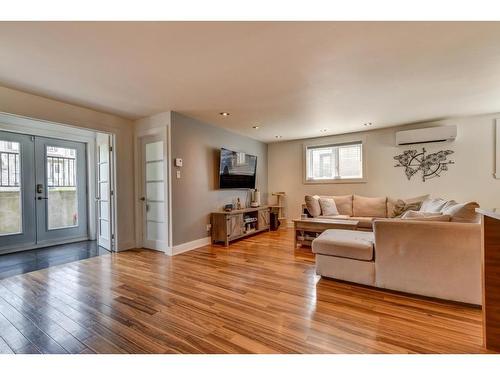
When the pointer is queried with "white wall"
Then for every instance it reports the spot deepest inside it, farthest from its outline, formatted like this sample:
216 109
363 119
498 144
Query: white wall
37 107
196 193
470 178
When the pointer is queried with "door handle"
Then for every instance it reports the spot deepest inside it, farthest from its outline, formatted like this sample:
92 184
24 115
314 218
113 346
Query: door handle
40 198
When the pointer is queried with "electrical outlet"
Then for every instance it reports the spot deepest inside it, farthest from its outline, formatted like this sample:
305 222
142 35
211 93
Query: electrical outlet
209 227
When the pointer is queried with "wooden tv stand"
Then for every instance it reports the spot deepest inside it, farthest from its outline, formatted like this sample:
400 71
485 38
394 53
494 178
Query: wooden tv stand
236 224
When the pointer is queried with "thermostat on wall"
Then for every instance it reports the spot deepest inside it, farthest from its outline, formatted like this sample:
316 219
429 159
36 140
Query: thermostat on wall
178 162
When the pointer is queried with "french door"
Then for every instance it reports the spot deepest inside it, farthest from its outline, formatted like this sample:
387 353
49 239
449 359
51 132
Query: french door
43 191
103 197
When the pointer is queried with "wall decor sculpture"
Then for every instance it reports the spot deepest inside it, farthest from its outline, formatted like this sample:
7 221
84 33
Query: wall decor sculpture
429 165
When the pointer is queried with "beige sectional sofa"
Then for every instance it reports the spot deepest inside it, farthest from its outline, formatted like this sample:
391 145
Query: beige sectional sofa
352 207
431 255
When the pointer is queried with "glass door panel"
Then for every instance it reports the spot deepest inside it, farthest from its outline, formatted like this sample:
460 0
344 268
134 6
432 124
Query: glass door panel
10 188
62 202
17 205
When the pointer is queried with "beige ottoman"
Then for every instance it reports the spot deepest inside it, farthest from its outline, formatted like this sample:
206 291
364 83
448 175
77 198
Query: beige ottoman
345 255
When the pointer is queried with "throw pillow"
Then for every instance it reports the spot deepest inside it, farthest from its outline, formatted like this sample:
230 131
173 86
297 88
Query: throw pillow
461 212
343 203
312 205
425 216
433 205
397 207
328 207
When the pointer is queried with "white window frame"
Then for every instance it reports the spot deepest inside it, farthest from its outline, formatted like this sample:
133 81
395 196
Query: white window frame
308 180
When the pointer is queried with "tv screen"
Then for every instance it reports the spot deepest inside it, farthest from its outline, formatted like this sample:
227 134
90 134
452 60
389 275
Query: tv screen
237 170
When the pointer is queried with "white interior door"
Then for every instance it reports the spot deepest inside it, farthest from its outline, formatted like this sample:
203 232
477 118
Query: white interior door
153 197
104 197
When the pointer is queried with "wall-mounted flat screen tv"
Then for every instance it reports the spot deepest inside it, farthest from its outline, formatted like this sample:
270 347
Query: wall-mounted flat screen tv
237 170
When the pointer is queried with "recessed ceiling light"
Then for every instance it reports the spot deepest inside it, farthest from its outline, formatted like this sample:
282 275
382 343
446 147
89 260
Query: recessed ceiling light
224 114
277 136
323 130
367 124
255 126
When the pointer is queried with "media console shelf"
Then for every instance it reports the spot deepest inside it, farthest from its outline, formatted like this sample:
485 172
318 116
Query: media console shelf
232 225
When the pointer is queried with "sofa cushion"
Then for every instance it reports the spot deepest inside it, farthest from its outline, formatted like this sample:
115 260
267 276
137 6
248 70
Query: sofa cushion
433 205
397 207
345 243
461 212
343 203
312 205
328 207
425 216
369 206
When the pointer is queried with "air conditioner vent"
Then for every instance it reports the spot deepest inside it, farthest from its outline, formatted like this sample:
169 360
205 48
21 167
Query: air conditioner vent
426 135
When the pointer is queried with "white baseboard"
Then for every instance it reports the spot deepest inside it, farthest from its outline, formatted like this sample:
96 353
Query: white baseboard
183 247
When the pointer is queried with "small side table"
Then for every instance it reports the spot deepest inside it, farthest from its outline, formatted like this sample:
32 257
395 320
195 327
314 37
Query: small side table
318 226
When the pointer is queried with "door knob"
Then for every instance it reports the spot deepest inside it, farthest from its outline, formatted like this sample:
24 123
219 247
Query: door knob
143 199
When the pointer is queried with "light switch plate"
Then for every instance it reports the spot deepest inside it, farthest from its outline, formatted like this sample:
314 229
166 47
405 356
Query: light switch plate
178 174
178 162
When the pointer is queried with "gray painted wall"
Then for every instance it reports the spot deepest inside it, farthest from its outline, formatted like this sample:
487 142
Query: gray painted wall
196 193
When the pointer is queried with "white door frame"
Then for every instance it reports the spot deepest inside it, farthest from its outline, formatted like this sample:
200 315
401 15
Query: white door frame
36 127
163 132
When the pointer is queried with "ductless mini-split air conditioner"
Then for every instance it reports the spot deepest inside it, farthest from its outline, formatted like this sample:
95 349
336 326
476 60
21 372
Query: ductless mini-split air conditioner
426 135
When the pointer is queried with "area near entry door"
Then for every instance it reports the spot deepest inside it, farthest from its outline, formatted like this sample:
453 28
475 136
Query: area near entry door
43 191
153 196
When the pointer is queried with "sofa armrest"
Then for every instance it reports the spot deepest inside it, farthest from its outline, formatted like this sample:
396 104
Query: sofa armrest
437 259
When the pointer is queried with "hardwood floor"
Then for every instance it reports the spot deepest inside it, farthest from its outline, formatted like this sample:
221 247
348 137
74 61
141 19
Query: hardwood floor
257 296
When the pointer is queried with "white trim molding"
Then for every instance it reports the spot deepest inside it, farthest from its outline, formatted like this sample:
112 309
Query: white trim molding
187 246
496 173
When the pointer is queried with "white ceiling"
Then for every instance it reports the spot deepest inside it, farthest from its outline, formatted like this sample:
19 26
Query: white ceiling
291 78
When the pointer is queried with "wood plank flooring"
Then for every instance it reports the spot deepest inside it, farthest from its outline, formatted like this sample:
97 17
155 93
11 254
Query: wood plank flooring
257 296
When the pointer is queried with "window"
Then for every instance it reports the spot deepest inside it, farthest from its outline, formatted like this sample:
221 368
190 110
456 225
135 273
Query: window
334 162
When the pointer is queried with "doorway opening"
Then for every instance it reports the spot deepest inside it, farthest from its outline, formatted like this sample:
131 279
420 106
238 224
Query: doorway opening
55 191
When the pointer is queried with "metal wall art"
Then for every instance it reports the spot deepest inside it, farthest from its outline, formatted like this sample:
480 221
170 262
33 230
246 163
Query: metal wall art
430 165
